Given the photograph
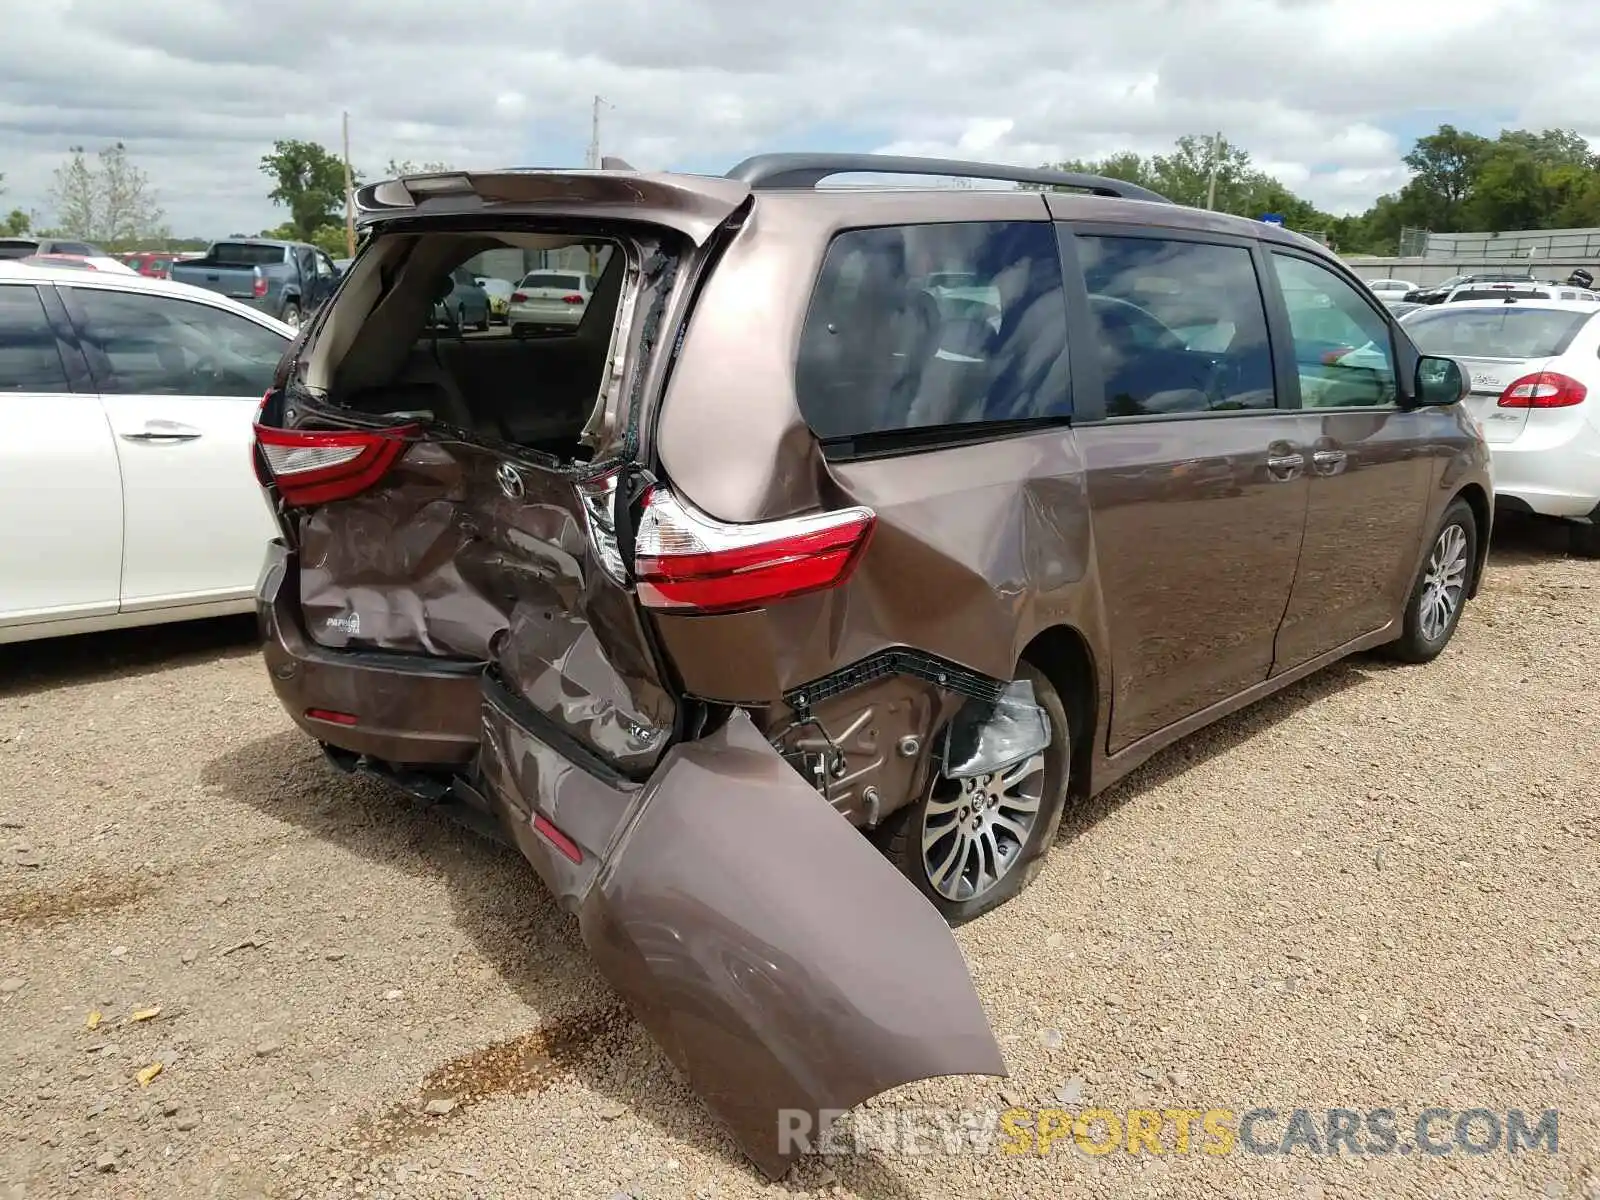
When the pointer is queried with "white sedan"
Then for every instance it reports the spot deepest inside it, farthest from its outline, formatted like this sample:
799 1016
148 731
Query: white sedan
1535 372
127 495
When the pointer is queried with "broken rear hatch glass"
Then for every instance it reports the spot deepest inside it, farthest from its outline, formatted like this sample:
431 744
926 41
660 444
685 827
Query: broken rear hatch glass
452 498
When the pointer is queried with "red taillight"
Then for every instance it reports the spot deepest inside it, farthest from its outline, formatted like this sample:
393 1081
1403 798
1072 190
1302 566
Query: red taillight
317 466
1543 389
333 718
258 286
569 848
519 297
572 298
687 562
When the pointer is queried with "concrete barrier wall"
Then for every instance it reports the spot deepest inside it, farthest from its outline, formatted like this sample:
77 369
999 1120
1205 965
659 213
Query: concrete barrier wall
1436 270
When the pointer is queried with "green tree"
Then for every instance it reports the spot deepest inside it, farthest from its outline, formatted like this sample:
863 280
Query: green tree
308 180
1444 166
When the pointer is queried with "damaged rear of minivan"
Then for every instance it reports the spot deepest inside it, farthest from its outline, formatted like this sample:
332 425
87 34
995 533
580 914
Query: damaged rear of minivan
473 544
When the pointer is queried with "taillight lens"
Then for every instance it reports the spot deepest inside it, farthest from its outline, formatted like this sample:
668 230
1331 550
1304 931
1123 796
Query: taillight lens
519 297
317 466
572 298
1544 389
258 286
685 561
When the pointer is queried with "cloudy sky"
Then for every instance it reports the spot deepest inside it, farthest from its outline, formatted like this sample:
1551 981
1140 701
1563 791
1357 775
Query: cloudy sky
1327 94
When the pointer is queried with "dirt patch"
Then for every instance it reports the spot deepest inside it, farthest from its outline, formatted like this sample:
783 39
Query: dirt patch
520 1066
89 896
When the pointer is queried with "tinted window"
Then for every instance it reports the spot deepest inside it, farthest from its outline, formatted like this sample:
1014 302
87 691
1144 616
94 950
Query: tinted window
29 358
17 248
82 249
1498 293
889 344
243 254
158 346
540 280
1182 326
1508 332
1343 349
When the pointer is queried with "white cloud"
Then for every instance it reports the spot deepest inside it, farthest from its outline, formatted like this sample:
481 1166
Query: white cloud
199 89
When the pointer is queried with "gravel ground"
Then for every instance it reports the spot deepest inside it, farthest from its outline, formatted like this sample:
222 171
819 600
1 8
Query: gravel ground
1375 890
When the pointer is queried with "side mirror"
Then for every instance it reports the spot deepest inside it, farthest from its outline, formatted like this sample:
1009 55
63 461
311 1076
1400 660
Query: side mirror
1440 382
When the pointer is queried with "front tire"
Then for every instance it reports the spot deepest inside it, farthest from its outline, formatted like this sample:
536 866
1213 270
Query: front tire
1440 592
971 845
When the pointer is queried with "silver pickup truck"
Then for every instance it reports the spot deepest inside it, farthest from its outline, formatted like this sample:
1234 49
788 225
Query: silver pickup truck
284 279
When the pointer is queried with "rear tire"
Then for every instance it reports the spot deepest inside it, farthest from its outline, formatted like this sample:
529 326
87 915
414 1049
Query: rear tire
291 315
1440 592
902 835
1585 540
519 331
483 325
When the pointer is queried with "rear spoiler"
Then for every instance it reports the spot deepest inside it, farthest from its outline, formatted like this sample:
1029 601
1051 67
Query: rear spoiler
693 205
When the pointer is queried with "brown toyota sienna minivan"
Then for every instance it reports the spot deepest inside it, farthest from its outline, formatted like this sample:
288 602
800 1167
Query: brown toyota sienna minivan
778 604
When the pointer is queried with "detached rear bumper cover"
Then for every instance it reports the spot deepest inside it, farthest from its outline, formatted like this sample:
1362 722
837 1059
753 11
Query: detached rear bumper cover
778 959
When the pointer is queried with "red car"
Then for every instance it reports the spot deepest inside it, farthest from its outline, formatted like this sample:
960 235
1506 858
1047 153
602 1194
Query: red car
155 265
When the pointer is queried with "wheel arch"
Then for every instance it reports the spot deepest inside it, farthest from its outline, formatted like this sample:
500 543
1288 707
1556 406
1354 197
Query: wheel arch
1063 654
1483 515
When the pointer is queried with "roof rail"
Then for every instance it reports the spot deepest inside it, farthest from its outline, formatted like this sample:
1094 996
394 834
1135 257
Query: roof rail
765 171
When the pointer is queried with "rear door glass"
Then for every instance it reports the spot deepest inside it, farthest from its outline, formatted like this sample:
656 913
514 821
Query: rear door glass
922 326
30 360
1181 326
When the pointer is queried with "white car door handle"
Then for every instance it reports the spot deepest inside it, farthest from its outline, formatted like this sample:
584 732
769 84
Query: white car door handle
163 431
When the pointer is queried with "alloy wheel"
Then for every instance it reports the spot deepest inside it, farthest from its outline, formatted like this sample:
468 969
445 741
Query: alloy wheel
1444 583
973 833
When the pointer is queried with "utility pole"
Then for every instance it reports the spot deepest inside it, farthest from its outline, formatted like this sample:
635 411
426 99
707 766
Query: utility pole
1211 182
594 133
594 165
349 197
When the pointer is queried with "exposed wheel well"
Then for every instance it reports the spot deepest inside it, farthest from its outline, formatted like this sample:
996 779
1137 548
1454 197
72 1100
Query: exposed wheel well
1062 654
1479 503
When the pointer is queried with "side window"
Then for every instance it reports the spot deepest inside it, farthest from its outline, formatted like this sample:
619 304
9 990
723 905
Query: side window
1181 326
913 326
30 360
157 346
324 266
1343 350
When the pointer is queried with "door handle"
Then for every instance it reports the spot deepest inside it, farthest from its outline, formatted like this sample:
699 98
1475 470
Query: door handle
1285 466
1328 462
163 431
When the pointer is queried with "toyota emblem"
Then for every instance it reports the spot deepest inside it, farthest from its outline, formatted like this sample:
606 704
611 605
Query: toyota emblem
510 481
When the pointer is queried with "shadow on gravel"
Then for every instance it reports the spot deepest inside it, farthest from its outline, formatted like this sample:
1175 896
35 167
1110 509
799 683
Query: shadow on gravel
498 902
29 667
1522 540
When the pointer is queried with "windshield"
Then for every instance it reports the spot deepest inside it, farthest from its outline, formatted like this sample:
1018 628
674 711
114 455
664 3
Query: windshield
17 247
1507 332
243 254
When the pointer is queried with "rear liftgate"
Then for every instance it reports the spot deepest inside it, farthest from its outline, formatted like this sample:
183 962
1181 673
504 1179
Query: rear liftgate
786 968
